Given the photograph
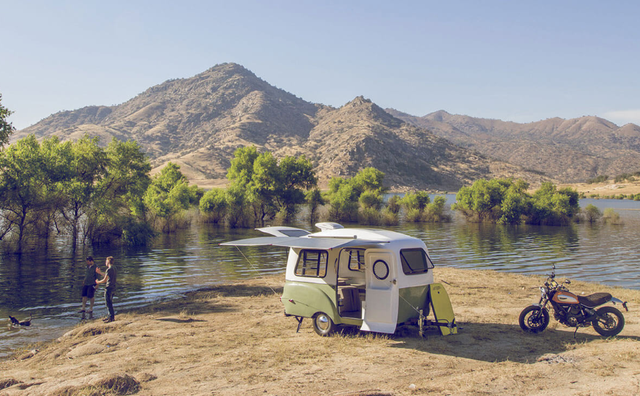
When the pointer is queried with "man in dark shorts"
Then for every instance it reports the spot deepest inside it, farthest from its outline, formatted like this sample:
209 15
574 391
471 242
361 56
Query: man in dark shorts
89 286
110 278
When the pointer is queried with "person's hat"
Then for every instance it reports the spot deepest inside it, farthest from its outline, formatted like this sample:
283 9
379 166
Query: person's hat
89 258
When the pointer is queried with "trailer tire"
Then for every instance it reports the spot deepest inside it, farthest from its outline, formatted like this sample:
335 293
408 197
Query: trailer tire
323 325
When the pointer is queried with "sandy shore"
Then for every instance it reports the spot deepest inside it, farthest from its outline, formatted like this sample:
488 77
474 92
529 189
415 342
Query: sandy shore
234 340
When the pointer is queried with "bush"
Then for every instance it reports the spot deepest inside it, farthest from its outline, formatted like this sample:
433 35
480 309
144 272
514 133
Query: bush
369 216
591 213
598 179
390 218
214 206
435 211
612 217
393 205
413 216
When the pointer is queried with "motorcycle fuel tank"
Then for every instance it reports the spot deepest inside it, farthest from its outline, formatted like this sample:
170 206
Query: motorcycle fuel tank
564 297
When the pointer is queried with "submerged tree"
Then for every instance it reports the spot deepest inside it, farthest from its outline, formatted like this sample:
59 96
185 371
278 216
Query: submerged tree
168 196
507 202
344 195
118 211
269 186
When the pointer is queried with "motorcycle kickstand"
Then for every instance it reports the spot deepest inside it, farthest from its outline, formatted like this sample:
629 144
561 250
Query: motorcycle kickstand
575 332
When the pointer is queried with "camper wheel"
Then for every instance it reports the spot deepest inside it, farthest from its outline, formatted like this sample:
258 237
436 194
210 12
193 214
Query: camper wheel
322 324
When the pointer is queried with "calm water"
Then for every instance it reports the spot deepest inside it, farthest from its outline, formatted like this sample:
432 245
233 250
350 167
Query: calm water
47 285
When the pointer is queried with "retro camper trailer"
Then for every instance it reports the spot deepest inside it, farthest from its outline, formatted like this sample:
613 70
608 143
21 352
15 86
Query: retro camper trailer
370 278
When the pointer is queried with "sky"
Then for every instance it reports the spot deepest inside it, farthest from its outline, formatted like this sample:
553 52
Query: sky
520 61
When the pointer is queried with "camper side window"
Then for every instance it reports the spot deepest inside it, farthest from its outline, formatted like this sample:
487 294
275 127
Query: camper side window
415 261
312 263
356 259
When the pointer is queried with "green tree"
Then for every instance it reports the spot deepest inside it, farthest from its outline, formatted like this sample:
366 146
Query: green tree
296 176
213 205
314 199
416 200
6 128
87 166
592 213
270 186
264 186
344 194
371 200
236 201
241 169
168 196
118 212
23 182
394 204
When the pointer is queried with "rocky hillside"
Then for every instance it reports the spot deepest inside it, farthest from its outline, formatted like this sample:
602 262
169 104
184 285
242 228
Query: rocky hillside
198 122
569 150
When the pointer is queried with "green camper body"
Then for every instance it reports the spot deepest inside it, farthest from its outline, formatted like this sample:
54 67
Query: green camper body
305 300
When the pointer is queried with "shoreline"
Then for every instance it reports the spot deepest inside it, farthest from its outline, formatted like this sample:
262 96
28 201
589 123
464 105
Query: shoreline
233 339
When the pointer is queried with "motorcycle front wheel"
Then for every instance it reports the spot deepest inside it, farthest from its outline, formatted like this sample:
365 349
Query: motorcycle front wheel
534 319
608 322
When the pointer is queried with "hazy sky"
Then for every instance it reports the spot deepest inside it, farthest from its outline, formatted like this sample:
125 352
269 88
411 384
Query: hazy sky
513 60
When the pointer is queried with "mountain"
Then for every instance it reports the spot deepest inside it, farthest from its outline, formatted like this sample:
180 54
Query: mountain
571 150
198 122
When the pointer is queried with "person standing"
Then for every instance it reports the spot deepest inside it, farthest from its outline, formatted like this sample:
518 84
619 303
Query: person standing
110 278
91 275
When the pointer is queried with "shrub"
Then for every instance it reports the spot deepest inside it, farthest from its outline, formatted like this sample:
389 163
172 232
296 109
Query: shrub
390 218
214 206
413 216
612 217
369 216
591 213
393 204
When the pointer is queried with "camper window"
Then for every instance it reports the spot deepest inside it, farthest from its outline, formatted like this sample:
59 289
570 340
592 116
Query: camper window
356 259
312 263
415 261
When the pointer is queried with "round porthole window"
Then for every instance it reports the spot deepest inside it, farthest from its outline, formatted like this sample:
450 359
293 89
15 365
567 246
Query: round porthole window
380 269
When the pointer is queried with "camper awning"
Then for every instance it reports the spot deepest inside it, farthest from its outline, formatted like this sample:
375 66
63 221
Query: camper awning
305 242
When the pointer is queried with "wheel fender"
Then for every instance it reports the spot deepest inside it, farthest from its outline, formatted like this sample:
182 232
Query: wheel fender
307 299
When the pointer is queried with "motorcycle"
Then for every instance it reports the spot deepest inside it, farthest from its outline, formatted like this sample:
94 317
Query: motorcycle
572 310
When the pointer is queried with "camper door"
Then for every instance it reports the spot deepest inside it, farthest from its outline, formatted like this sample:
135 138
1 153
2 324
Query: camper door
381 304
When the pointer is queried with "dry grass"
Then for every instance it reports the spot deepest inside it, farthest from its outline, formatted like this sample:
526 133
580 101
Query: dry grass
234 340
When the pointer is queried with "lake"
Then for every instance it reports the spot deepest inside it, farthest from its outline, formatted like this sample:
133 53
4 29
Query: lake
47 284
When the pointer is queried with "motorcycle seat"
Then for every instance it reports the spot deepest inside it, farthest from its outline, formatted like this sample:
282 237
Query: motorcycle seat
594 300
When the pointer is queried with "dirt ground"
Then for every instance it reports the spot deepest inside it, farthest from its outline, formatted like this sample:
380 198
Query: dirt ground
234 340
606 189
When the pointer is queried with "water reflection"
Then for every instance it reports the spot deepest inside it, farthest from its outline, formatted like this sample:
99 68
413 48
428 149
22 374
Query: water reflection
47 284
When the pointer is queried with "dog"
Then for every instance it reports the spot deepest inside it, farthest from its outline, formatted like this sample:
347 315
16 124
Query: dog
16 323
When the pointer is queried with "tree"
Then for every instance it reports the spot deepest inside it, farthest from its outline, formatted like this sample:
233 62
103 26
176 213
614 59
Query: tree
268 185
168 196
23 181
213 205
264 187
87 166
118 212
344 194
314 199
296 175
6 128
592 213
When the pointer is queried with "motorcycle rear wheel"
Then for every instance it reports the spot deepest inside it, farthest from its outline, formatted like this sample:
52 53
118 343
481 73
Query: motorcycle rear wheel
534 319
608 322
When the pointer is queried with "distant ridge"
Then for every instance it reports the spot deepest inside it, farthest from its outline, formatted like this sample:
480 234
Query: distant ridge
571 150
